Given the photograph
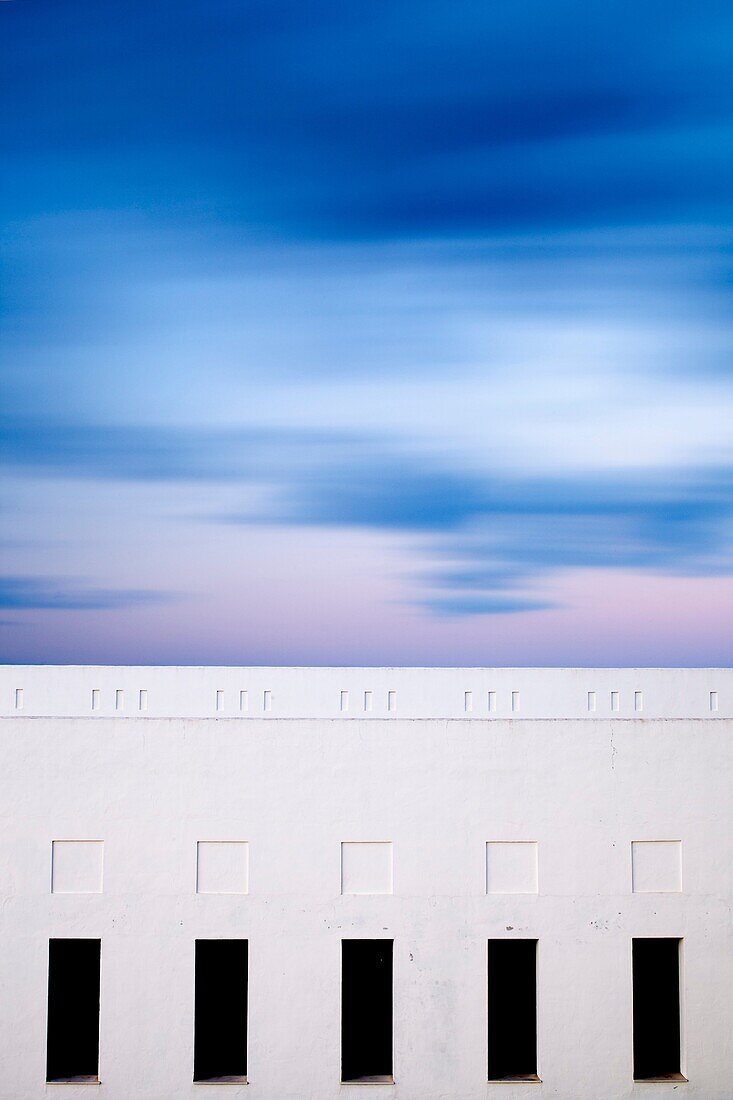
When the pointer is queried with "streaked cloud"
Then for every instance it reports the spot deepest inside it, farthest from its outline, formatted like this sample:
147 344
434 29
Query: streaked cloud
374 118
63 594
503 533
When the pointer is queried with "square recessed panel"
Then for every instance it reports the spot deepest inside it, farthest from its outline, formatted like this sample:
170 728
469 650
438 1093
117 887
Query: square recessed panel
222 867
511 867
76 866
366 867
656 866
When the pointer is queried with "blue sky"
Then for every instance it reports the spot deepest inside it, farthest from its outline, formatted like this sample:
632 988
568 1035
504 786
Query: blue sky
367 333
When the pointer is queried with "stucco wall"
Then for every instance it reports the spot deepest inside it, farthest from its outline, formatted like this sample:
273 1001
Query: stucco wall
297 780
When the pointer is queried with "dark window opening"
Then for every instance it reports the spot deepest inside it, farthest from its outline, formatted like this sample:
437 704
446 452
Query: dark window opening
512 1005
220 1011
656 986
366 1010
72 1038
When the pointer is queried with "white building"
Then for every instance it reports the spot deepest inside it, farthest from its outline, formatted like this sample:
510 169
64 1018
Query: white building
476 823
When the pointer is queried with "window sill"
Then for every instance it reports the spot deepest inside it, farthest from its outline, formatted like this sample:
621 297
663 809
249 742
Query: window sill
377 1079
221 1081
83 1080
517 1079
660 1079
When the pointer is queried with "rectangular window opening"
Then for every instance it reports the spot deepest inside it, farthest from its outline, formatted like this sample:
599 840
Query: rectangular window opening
468 701
591 700
119 699
512 1010
95 699
344 700
19 698
391 700
220 1011
243 700
614 700
515 701
143 699
492 701
72 1037
366 1011
656 988
220 700
713 700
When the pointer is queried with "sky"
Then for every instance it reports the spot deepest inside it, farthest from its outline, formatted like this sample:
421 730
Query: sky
366 332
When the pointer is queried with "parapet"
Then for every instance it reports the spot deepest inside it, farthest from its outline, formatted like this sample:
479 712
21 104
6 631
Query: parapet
348 694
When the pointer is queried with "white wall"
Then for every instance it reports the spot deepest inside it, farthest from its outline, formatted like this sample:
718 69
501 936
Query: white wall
298 780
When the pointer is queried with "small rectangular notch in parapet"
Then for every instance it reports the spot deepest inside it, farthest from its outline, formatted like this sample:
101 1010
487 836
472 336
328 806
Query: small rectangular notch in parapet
366 867
656 866
591 701
515 702
222 867
220 700
76 866
391 700
638 701
713 700
614 700
468 701
367 700
344 701
143 699
511 867
119 699
492 702
267 700
244 700
95 698
19 698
